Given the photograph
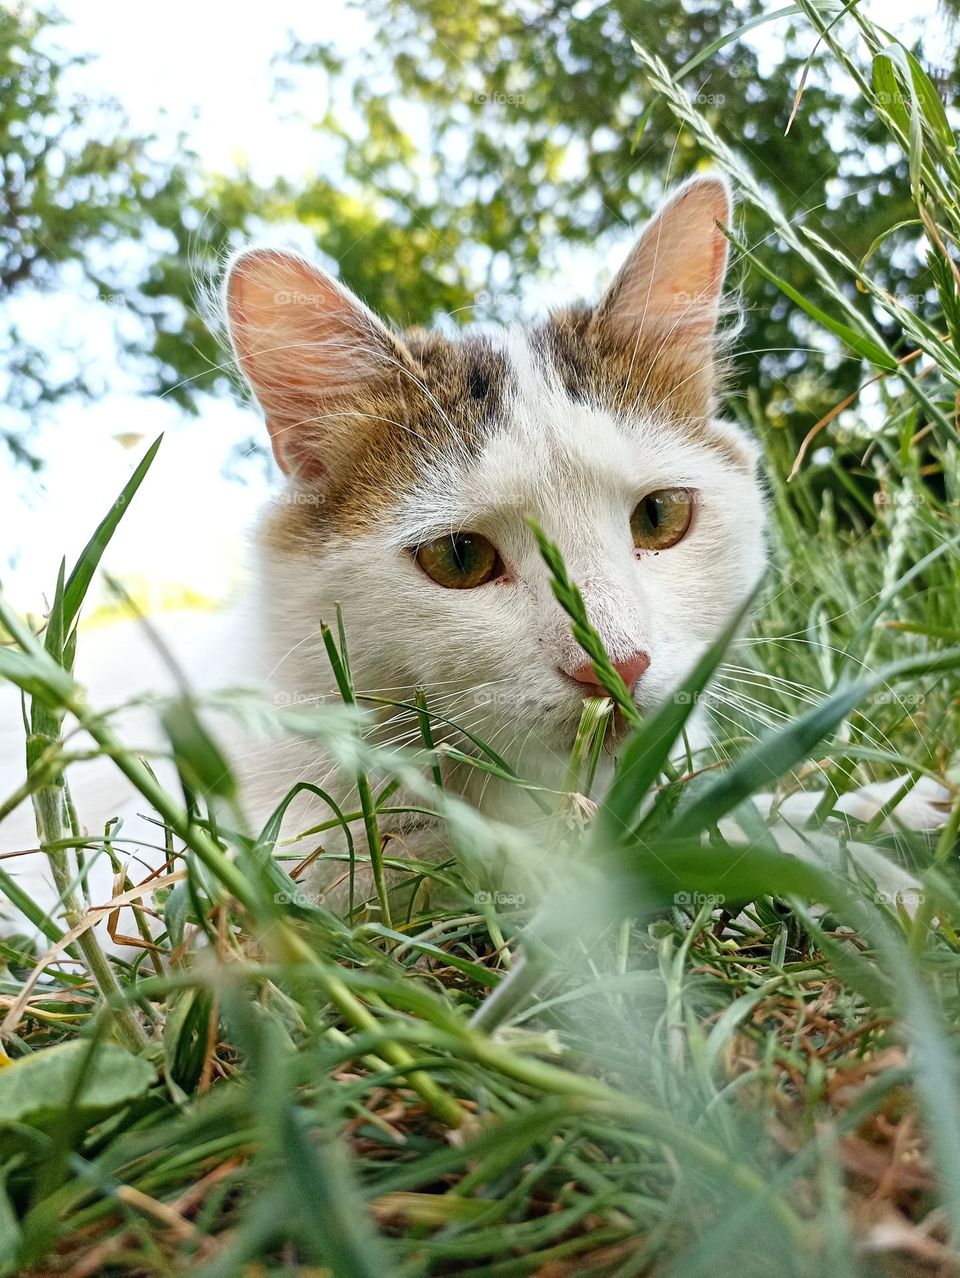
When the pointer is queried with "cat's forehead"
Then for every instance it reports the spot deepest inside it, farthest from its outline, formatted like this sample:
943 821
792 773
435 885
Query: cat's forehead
458 390
505 418
548 452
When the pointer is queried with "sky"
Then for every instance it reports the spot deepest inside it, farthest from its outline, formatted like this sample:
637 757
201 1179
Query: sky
187 526
207 67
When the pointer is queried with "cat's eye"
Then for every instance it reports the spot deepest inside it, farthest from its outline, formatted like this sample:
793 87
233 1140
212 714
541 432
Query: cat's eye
662 518
461 561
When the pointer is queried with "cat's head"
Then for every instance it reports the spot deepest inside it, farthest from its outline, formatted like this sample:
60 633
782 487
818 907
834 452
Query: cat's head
413 463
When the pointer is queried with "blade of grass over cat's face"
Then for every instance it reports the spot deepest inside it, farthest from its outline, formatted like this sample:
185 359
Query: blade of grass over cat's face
570 600
647 752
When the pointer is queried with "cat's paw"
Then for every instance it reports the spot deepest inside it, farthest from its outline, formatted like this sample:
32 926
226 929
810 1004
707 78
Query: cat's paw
925 807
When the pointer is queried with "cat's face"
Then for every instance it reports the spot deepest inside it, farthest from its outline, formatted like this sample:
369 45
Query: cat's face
414 464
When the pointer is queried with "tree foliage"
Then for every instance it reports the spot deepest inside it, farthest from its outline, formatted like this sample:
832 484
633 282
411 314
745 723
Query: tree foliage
83 205
471 142
542 130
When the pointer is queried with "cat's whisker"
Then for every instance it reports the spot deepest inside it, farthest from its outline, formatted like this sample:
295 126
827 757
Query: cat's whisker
731 696
504 751
770 676
713 709
804 698
737 703
432 684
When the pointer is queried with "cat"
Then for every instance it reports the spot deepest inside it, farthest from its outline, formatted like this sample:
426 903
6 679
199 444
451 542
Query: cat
412 465
414 461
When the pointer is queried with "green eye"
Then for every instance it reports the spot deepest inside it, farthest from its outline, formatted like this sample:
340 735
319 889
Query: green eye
662 518
459 562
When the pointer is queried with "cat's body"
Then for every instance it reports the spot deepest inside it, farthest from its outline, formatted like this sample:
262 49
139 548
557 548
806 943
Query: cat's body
413 466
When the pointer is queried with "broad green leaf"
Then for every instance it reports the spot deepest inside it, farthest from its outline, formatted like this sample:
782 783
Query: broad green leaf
931 103
41 1082
764 764
47 681
175 910
889 93
648 748
198 757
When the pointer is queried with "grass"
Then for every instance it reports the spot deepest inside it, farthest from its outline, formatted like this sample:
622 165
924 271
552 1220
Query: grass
680 1054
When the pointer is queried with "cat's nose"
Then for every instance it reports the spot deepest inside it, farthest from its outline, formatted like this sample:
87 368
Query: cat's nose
629 670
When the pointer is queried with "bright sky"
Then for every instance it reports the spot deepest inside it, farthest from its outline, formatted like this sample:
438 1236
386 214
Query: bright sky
206 67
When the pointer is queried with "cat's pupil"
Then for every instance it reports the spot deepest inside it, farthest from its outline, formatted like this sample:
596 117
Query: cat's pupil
461 552
653 512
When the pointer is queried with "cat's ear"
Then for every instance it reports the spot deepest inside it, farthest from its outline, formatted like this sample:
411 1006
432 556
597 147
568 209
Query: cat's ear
672 280
311 352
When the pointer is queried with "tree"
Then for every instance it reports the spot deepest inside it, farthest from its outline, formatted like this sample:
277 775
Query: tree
535 127
77 192
541 130
89 209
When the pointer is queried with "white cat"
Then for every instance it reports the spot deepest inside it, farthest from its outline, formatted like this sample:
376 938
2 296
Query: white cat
413 464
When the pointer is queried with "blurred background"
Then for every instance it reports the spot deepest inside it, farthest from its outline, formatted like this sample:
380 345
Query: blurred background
457 164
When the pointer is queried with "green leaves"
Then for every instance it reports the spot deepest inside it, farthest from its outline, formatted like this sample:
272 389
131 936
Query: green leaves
861 344
647 753
926 105
200 761
770 759
95 1078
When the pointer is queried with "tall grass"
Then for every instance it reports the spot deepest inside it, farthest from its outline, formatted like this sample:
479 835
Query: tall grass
685 1051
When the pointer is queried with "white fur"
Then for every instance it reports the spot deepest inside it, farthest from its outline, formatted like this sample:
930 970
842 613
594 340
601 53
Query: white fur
579 474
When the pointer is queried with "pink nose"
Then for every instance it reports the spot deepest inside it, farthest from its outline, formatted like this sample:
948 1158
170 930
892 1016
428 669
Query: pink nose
629 671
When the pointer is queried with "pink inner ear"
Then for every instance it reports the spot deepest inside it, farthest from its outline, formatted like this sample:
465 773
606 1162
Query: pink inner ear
673 278
305 344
